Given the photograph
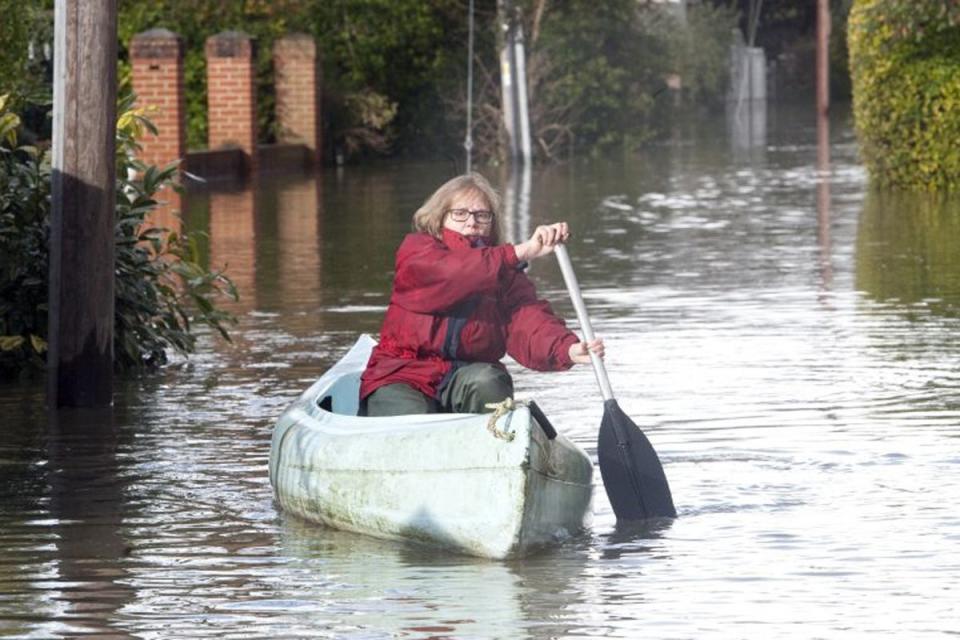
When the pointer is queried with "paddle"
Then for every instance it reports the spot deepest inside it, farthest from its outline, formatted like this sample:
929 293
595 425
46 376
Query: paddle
631 471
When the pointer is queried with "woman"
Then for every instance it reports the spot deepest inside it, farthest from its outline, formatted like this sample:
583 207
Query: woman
460 301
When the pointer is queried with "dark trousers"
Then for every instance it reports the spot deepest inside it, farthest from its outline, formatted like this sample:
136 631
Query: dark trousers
470 388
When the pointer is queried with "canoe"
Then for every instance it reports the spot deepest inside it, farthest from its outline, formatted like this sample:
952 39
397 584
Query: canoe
496 490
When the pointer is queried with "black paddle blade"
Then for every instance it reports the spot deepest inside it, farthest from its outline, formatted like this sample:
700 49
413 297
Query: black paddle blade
631 471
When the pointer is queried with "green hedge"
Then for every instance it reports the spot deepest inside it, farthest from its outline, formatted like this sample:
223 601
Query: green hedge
904 56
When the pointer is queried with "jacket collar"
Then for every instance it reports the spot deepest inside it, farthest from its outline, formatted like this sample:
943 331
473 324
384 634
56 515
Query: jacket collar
456 240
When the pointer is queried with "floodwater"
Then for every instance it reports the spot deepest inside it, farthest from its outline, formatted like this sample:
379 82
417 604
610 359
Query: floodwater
786 337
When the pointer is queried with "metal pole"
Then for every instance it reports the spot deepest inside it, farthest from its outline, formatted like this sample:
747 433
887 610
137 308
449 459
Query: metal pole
523 112
468 142
508 77
573 288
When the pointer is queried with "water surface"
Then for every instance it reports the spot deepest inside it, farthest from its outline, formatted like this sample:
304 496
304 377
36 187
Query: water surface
786 337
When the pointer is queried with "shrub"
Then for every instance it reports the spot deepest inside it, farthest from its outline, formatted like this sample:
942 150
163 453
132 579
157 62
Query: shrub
698 51
906 91
26 31
24 209
161 291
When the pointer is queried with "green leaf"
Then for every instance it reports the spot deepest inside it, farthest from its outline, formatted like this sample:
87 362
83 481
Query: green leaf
9 343
39 344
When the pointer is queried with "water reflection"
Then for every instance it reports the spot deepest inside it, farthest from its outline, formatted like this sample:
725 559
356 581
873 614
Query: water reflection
415 591
747 126
823 199
636 538
65 554
298 236
516 204
233 236
907 251
87 509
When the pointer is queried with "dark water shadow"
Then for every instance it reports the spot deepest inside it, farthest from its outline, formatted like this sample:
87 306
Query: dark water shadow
635 538
87 509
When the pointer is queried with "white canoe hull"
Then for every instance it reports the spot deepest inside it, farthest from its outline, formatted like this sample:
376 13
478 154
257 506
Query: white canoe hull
441 479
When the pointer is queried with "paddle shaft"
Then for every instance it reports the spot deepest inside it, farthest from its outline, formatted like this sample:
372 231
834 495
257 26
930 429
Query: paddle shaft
632 474
573 288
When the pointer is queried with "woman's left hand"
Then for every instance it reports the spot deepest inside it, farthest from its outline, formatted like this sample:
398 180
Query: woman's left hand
580 351
542 242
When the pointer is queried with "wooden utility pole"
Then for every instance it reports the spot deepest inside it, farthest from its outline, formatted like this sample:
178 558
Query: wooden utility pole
823 56
81 298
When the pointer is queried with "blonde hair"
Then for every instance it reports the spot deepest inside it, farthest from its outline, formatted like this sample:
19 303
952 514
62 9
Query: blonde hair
429 217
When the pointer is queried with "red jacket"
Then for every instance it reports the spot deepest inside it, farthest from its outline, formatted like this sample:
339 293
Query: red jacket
453 303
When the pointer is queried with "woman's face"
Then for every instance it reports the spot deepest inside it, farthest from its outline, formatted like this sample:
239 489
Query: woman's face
477 205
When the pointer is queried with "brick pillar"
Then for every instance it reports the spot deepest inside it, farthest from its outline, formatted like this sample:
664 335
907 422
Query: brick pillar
231 95
298 86
157 60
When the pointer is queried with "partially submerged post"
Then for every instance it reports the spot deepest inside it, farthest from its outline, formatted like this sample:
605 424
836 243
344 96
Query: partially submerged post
81 296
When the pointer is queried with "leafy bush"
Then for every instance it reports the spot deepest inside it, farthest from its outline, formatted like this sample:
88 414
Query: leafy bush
906 91
26 31
591 81
161 291
697 50
24 210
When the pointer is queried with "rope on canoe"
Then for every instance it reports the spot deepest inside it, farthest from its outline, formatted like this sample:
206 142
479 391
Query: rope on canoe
501 409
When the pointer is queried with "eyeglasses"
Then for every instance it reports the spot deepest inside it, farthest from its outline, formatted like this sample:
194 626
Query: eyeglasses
482 216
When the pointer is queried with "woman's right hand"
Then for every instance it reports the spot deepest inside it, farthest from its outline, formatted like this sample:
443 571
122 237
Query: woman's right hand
543 240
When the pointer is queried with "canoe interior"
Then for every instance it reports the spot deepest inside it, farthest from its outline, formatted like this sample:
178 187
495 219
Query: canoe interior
342 398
